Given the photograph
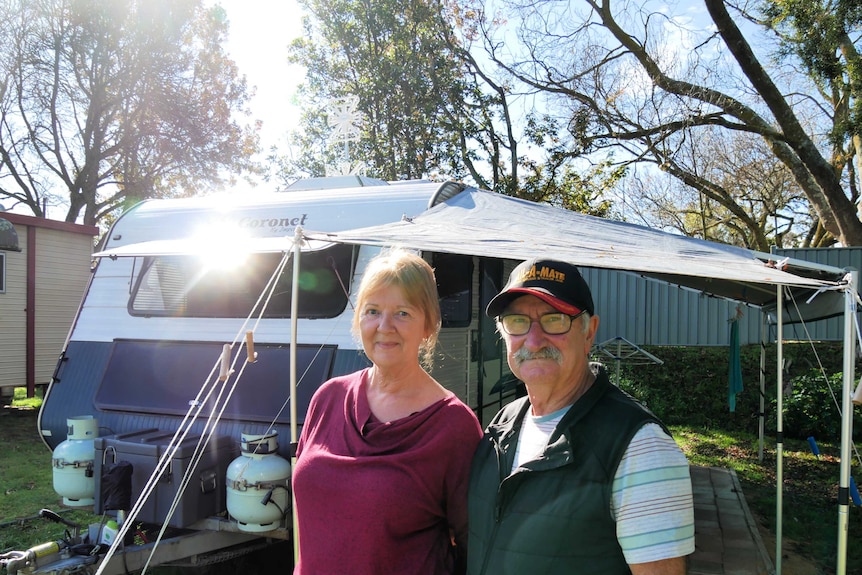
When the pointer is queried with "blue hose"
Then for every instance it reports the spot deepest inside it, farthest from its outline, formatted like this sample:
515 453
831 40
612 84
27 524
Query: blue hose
854 493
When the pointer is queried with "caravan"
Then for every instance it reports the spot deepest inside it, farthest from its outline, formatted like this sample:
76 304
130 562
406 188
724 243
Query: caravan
188 327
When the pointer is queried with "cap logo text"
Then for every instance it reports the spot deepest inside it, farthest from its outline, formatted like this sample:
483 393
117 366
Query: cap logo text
544 273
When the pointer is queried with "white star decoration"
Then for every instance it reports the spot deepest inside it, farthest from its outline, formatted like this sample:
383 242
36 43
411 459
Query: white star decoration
344 119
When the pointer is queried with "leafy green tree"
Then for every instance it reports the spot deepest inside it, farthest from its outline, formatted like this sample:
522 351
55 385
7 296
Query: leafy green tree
817 33
393 57
427 107
106 102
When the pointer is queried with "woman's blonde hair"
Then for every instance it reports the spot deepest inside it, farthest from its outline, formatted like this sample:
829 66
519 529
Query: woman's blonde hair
415 277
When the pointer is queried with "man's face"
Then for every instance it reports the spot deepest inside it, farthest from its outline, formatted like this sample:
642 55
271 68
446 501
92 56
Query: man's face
539 359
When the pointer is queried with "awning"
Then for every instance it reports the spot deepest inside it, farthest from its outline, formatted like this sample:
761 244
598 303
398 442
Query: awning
487 224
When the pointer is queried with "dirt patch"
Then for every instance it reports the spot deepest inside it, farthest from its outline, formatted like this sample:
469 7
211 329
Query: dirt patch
791 562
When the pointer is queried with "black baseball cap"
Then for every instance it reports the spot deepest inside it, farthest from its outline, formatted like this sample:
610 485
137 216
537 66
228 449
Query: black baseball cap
556 283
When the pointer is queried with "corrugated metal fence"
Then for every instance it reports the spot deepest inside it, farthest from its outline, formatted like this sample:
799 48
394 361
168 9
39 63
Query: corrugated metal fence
831 329
648 312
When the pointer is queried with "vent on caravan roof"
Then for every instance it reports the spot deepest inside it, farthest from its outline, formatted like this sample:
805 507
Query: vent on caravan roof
446 191
335 182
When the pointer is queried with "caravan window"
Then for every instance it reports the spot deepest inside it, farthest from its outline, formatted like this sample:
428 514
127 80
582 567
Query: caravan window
454 273
187 286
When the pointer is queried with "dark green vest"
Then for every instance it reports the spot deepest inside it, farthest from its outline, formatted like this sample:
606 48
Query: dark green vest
553 515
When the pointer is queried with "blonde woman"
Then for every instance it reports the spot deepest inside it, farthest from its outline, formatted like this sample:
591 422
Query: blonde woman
384 457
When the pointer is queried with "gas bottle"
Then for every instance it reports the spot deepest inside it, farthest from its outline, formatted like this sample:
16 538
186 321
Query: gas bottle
258 492
73 462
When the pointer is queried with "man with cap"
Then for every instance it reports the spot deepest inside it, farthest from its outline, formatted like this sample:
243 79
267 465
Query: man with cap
576 477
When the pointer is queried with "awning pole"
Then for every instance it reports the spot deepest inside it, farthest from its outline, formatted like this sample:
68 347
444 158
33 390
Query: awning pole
846 421
761 420
779 431
294 315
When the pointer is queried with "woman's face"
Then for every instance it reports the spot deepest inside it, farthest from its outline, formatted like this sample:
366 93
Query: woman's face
391 328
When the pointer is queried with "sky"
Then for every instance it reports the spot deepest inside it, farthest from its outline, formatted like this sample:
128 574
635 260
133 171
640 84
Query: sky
260 31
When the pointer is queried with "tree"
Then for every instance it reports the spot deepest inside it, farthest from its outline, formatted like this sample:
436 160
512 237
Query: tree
607 68
393 57
427 106
107 102
751 199
817 34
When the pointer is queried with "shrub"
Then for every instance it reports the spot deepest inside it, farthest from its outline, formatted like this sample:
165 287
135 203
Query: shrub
691 388
810 407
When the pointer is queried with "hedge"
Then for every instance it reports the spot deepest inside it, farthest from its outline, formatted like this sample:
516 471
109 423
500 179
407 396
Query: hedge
691 388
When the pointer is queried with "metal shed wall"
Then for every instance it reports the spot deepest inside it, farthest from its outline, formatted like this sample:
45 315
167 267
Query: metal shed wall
13 329
831 329
62 271
648 312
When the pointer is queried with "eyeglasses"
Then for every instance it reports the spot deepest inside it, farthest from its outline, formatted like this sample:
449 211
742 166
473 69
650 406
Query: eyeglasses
556 323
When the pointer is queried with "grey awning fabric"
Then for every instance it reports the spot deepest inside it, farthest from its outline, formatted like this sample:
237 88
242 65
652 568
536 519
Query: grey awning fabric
488 224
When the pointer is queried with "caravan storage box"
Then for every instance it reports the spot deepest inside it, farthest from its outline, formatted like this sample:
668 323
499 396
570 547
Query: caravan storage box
204 495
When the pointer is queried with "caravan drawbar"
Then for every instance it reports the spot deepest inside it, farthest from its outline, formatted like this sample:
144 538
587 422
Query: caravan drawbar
182 284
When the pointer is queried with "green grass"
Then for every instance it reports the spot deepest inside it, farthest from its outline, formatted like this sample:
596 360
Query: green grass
26 481
26 473
20 399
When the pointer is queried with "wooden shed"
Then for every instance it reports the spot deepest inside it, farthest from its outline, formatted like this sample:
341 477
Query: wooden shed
44 269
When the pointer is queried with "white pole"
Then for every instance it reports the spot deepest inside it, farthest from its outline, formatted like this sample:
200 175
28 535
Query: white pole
761 420
779 431
294 315
846 421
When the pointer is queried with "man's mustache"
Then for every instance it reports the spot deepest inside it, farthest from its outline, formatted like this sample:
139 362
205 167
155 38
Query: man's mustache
523 354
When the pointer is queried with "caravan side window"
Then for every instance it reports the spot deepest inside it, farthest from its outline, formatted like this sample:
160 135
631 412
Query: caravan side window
454 273
186 286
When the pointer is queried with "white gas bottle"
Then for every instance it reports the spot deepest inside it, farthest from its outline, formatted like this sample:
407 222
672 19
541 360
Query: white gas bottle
258 484
73 462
